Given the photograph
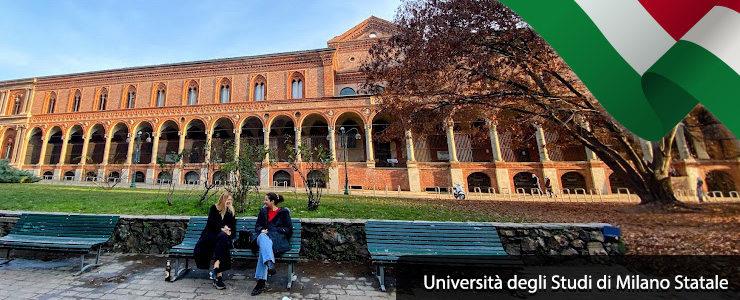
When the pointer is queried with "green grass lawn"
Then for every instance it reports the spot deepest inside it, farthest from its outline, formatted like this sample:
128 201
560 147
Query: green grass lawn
74 199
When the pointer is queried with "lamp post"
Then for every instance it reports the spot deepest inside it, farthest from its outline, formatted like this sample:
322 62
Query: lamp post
137 154
344 145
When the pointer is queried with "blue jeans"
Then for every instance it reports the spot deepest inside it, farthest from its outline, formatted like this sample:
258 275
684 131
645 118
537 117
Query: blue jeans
265 245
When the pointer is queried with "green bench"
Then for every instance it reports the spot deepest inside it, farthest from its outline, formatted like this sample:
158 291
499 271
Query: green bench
196 226
387 241
60 233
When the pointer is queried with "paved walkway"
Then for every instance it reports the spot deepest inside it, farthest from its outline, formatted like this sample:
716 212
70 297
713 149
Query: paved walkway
33 276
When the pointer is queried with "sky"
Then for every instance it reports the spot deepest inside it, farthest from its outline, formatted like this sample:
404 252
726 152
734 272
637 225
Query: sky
50 37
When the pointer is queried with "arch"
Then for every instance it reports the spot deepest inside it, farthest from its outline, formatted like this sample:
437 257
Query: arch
75 143
159 95
282 178
479 180
91 175
251 131
192 177
296 85
223 91
720 181
519 144
54 142
140 177
75 100
114 176
164 177
96 144
51 101
316 178
101 99
195 141
354 124
259 88
388 152
145 148
129 97
314 130
282 133
48 174
118 147
168 133
222 137
573 181
616 182
523 180
69 175
348 91
35 144
190 92
219 178
8 142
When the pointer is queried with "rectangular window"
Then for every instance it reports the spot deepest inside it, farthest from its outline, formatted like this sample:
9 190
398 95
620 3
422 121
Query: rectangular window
131 98
160 98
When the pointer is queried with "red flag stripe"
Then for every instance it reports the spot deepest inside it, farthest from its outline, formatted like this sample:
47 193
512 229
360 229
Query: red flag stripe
731 4
678 16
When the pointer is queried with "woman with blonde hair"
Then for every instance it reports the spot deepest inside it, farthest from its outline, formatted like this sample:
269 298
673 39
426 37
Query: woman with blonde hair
215 241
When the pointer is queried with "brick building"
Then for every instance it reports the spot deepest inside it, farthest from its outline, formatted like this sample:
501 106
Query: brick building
55 126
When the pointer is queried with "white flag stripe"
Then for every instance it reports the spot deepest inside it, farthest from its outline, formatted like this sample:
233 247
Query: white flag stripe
719 33
631 30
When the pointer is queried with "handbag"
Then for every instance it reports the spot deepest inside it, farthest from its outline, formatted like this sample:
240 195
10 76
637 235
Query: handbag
243 239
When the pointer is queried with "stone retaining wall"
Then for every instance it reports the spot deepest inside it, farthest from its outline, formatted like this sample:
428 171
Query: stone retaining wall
344 240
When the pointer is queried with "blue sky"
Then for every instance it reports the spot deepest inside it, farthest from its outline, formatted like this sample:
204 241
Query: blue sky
39 38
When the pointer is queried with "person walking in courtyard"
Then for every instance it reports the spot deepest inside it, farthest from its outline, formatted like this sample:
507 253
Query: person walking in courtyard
548 187
215 241
700 190
536 183
273 230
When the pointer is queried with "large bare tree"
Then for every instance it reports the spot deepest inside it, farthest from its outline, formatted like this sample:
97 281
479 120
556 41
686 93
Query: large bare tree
467 59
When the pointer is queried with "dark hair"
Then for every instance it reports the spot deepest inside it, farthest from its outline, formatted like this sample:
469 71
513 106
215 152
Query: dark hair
275 198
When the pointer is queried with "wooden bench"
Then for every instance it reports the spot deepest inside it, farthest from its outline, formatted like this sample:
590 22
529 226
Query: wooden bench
387 241
196 226
61 233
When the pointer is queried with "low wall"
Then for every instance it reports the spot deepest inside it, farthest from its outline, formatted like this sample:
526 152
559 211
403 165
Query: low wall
344 240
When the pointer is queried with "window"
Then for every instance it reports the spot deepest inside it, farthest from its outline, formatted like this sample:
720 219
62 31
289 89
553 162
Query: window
192 93
347 92
131 97
17 105
160 96
52 103
259 89
76 102
225 91
102 99
296 87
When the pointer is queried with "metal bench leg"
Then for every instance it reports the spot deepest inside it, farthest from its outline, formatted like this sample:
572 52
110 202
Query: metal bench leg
380 273
290 275
84 267
180 271
7 258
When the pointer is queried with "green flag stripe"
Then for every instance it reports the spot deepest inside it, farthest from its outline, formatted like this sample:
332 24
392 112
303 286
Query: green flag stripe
689 73
617 86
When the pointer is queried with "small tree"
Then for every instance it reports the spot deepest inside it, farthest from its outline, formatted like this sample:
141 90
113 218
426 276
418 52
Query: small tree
304 160
93 168
244 171
9 174
211 164
168 164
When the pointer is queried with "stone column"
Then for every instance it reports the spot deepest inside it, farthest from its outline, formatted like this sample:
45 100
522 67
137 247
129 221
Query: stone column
598 178
411 166
297 142
209 138
65 141
449 129
265 171
27 101
502 180
542 144
647 150
19 153
155 149
44 143
495 142
237 141
3 96
332 143
130 152
83 160
106 151
181 145
683 147
369 146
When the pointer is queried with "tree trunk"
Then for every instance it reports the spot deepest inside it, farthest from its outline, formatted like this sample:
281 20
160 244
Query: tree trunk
313 203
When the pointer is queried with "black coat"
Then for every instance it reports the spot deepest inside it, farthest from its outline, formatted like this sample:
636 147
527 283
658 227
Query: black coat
279 229
207 243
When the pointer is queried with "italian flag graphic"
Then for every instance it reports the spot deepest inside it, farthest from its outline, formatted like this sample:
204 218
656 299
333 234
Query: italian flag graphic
648 62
